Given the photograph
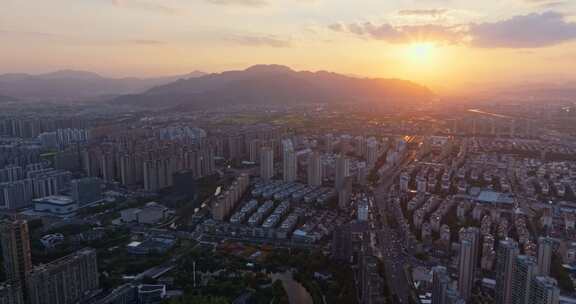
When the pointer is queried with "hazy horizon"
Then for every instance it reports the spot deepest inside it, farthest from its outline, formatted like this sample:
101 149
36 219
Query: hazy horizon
445 44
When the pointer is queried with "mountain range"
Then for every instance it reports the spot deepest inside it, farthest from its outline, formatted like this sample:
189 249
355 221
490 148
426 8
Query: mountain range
537 92
69 85
276 85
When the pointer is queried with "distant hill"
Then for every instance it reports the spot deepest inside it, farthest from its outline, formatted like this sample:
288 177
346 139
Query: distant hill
276 85
68 85
540 91
526 92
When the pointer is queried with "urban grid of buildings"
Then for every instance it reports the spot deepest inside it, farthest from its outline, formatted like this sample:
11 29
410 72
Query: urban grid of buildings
441 208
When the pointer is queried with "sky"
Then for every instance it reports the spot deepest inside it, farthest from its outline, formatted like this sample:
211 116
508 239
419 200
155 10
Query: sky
449 45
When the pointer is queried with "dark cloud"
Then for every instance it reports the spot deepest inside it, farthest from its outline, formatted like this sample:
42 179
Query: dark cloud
528 31
337 27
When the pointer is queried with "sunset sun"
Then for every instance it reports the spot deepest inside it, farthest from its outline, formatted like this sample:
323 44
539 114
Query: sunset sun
421 51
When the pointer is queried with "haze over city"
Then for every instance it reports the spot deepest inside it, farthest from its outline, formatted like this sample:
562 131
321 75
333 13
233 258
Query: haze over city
287 151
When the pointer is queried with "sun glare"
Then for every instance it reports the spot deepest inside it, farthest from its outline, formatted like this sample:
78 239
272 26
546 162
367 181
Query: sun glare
421 51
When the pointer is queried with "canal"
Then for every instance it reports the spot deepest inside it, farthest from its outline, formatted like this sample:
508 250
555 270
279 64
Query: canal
297 294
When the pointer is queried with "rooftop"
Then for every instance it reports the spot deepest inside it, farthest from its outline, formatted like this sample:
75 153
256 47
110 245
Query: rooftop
55 200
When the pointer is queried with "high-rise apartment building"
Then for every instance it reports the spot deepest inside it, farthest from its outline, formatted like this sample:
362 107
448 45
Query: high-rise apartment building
158 174
440 284
345 141
345 193
129 167
107 167
505 262
67 280
468 259
225 203
372 154
16 251
525 269
342 243
254 150
442 290
235 147
289 161
11 173
545 246
342 170
17 194
466 268
315 169
329 143
361 145
544 290
11 293
86 191
266 163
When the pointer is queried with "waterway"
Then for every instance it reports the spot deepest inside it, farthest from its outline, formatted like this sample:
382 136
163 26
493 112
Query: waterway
478 111
297 294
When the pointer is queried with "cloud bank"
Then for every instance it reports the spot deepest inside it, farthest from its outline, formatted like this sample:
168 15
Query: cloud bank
253 3
528 31
146 6
257 40
524 31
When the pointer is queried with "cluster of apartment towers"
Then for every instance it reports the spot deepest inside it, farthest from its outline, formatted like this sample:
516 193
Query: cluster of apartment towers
520 279
69 279
226 202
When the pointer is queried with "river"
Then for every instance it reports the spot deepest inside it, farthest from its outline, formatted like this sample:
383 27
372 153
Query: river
297 294
478 111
